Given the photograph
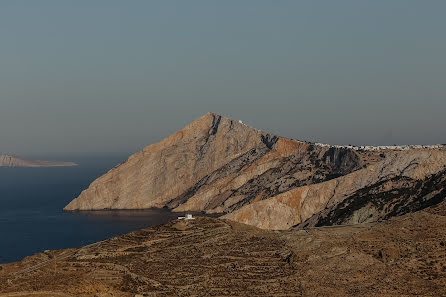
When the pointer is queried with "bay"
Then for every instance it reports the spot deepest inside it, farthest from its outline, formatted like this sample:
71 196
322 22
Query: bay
32 199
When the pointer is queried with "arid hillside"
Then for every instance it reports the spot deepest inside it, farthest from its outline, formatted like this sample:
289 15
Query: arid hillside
217 165
403 256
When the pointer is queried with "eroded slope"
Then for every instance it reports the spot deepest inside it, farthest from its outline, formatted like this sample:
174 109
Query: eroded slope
216 165
162 171
409 176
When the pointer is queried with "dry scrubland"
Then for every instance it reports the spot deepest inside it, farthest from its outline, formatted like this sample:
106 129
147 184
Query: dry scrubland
404 256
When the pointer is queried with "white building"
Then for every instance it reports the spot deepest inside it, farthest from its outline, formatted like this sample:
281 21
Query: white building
187 217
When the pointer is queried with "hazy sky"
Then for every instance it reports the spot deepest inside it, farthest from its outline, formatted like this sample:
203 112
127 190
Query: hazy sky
114 76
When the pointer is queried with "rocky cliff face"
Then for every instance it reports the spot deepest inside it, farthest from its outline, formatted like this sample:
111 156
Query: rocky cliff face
401 182
217 165
11 161
164 171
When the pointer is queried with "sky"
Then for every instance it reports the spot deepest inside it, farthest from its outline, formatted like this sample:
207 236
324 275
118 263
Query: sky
115 76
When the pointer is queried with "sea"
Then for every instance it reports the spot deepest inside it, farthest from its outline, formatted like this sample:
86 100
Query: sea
32 199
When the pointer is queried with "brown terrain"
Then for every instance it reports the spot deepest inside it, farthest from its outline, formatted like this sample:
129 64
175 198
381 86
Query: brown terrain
12 161
220 166
403 256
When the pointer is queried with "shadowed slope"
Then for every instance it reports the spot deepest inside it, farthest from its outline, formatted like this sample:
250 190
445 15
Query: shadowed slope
354 194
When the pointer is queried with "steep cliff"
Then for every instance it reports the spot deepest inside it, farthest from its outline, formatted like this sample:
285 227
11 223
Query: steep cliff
413 179
217 165
164 171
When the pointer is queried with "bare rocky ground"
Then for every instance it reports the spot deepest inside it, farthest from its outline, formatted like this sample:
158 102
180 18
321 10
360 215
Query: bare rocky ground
404 256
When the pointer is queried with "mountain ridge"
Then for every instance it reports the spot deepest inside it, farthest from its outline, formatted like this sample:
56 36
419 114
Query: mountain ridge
221 166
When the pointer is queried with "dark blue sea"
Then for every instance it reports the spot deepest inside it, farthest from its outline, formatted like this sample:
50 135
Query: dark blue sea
32 199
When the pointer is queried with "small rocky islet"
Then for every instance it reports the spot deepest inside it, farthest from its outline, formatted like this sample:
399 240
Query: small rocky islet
14 161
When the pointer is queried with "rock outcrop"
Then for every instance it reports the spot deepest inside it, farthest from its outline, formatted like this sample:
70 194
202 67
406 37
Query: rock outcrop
217 165
164 171
11 161
402 182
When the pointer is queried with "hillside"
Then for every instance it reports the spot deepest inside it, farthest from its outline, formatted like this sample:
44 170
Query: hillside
217 165
403 256
12 161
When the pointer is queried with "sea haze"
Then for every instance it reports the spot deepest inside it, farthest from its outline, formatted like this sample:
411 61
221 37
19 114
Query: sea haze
31 203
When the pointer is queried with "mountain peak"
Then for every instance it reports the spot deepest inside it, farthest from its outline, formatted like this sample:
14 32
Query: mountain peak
169 168
213 117
211 123
219 165
210 113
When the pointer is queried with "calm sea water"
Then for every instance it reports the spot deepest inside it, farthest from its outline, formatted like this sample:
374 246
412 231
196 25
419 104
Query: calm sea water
31 203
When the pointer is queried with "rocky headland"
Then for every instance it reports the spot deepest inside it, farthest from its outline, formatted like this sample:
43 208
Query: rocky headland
221 166
12 161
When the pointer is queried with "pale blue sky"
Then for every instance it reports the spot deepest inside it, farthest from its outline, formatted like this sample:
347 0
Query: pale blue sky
114 76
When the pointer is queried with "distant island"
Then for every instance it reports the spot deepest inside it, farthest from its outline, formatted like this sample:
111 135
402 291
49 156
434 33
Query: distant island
12 161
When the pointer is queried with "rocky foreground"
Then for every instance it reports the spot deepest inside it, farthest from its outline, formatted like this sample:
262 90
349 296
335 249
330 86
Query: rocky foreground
221 166
404 256
12 161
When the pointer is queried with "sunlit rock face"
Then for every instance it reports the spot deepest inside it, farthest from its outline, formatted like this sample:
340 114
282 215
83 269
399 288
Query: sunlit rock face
217 165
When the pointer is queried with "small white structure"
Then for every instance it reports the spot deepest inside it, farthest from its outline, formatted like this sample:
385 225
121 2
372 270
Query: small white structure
187 217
